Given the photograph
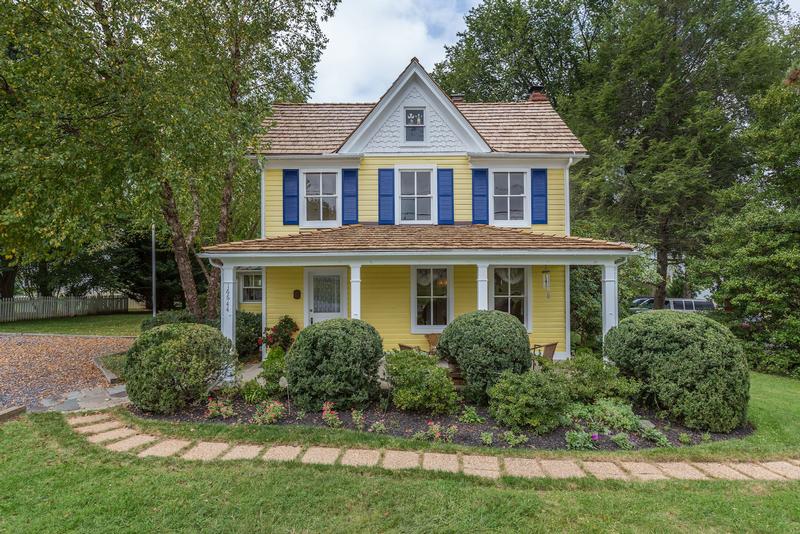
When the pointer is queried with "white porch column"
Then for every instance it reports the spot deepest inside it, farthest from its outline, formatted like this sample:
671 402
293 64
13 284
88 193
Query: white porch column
610 297
355 291
228 305
483 286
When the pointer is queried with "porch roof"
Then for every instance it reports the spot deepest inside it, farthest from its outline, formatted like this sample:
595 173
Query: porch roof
417 238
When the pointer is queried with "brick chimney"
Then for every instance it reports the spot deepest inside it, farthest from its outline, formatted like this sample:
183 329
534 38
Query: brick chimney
457 97
537 94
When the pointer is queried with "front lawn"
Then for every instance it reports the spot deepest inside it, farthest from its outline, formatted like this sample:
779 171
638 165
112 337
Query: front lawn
120 324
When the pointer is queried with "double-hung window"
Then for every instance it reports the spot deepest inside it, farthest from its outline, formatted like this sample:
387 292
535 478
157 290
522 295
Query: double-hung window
251 287
510 206
416 196
415 125
511 292
432 299
321 198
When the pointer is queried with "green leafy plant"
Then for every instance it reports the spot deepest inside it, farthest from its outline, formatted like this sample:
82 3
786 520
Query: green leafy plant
281 334
536 400
357 416
684 438
437 433
330 416
300 415
470 416
248 333
656 436
269 413
513 440
705 437
418 383
487 438
579 440
378 427
337 361
272 369
604 416
169 317
623 441
173 366
690 365
220 407
252 392
484 344
590 379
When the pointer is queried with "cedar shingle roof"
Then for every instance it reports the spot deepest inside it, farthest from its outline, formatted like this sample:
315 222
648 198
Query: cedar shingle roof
506 127
423 238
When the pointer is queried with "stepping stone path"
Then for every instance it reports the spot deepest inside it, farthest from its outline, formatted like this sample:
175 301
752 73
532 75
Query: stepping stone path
106 431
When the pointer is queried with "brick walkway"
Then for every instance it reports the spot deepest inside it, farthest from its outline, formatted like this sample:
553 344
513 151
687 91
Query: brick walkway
108 432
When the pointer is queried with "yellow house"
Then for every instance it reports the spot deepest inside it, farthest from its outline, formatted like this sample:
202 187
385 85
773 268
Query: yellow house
408 212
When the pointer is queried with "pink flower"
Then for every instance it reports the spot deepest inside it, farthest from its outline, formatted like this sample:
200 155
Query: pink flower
595 437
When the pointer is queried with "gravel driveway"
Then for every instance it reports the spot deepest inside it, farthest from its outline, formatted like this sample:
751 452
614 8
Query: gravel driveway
35 367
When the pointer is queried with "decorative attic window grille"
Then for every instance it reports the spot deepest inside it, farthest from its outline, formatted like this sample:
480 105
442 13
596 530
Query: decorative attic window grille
415 124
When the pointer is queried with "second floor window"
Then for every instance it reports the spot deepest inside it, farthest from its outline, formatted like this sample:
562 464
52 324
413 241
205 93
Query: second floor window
508 197
416 196
415 125
320 198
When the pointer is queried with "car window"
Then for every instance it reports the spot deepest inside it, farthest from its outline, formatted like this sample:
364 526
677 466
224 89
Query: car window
677 305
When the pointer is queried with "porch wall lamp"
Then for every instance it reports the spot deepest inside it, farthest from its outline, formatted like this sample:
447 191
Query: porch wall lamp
546 282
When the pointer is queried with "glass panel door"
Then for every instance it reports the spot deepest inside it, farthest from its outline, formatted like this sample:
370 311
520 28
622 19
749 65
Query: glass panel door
326 299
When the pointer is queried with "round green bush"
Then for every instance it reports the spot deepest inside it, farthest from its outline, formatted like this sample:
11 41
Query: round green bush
536 400
169 317
418 383
690 365
335 360
173 366
484 344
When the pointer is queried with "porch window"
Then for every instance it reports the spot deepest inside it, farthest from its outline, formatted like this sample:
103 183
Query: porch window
509 198
415 125
432 300
251 287
416 196
510 291
321 198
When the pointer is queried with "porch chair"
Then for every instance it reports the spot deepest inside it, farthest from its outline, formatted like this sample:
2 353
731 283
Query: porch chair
433 342
548 351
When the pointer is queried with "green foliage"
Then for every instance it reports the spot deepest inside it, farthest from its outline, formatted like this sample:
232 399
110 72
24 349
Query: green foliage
579 440
590 379
690 366
330 416
169 317
357 416
684 438
484 344
513 439
418 383
535 400
173 366
335 360
487 438
253 393
623 441
272 369
221 407
269 412
281 334
378 427
605 415
248 331
436 433
656 436
470 416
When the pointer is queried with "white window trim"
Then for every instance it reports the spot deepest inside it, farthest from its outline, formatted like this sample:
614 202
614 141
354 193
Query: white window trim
434 192
307 296
526 203
424 141
528 292
304 222
240 282
426 329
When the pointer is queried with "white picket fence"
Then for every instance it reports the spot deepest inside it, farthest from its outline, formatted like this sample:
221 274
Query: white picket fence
23 308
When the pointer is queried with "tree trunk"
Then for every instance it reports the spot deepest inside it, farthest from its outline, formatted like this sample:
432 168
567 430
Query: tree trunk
180 249
8 279
662 262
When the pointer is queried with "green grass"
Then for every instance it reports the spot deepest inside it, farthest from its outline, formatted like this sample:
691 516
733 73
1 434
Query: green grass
121 324
115 363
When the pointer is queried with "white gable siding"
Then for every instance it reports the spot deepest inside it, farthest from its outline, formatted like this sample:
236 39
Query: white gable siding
390 136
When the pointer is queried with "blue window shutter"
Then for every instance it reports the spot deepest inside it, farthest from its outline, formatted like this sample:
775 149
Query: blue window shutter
444 190
349 196
291 196
386 196
538 196
480 196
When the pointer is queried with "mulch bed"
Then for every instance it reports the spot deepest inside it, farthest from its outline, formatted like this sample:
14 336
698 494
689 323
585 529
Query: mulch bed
406 424
35 367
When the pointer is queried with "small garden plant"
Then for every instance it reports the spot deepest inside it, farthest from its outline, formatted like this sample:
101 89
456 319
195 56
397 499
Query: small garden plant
470 416
269 413
330 416
220 407
357 416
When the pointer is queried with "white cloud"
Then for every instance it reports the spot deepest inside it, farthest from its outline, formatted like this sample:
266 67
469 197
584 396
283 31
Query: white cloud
371 42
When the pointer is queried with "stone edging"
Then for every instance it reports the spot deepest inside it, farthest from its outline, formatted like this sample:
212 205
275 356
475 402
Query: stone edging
110 376
115 436
12 412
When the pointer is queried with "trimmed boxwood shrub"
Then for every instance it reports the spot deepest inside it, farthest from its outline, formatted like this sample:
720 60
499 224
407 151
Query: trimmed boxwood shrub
169 317
335 360
484 344
418 383
690 365
173 366
589 378
536 400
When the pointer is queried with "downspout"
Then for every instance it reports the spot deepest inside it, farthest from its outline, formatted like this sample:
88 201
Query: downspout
262 165
567 229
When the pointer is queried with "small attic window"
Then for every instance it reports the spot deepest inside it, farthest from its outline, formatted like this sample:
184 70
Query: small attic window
415 124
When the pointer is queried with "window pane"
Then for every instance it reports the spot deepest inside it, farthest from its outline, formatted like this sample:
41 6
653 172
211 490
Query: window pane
312 183
517 308
424 311
501 284
328 208
501 304
313 209
440 312
328 183
406 183
424 209
501 208
250 294
423 282
517 280
415 116
415 133
326 293
501 183
517 183
407 209
517 211
424 183
440 282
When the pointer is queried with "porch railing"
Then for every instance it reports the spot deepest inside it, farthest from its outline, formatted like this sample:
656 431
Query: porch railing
24 308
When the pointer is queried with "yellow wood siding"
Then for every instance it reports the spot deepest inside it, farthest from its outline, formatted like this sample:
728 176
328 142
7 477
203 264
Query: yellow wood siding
549 314
273 204
281 283
251 307
555 205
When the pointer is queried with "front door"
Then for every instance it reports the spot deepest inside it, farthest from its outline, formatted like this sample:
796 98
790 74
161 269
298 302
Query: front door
326 294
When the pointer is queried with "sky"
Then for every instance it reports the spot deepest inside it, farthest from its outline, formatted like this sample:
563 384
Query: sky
371 42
